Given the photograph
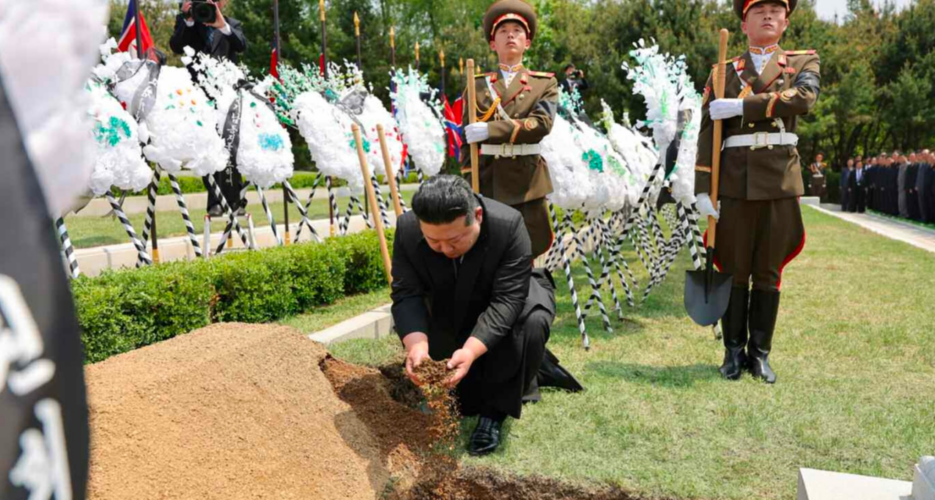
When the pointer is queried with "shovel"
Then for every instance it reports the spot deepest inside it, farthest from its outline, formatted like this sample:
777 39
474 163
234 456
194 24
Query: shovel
707 293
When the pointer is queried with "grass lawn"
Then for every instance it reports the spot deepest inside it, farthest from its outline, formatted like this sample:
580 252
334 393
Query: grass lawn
92 231
345 308
854 352
927 225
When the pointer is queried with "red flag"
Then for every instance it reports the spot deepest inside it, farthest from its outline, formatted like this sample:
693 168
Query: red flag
274 65
453 116
128 35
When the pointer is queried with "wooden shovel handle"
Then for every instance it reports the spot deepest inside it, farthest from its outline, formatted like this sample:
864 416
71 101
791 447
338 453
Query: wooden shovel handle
374 209
718 132
390 178
472 117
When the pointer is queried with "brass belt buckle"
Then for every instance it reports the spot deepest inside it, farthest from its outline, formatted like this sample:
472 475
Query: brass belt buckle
756 142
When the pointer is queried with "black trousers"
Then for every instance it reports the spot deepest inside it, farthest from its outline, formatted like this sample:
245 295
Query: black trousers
478 394
231 183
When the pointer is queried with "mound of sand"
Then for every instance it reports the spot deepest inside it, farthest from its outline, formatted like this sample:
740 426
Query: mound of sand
237 411
229 411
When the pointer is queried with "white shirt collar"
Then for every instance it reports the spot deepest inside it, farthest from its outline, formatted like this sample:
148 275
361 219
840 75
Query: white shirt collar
761 56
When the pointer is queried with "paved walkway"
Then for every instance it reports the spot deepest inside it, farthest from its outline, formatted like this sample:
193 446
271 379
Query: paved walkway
906 232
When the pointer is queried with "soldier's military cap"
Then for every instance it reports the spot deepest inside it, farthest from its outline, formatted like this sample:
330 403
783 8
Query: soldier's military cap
510 10
742 6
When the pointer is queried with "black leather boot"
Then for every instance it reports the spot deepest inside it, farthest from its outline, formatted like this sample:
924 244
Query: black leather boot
734 326
764 307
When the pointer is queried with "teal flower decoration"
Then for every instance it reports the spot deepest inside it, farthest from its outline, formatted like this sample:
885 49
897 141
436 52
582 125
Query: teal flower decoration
353 145
594 160
270 142
112 134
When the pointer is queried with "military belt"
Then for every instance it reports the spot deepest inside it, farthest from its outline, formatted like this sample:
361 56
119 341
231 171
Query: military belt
761 140
509 150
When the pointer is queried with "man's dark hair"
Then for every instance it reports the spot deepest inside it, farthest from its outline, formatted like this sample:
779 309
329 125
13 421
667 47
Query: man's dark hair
569 65
444 198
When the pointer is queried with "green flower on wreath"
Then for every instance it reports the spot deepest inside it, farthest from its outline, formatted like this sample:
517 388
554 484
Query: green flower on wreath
593 160
353 145
112 134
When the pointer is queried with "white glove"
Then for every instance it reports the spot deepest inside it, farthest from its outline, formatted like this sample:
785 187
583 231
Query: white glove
476 132
706 208
722 109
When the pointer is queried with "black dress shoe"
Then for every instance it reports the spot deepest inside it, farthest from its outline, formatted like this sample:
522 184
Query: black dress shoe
486 437
215 211
552 374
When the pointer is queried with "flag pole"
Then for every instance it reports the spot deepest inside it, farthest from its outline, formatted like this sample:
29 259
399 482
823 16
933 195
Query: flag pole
285 191
360 67
139 31
139 54
324 73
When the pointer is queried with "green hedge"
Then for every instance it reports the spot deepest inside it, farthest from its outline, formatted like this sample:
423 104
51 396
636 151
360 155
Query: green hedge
127 309
299 180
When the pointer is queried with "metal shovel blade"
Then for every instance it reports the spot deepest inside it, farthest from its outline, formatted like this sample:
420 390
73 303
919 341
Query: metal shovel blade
707 294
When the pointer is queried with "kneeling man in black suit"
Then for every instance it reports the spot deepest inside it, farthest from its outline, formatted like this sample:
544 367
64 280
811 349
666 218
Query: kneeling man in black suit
464 288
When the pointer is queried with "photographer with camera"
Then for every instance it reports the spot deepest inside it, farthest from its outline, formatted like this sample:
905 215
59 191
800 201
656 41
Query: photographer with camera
574 79
202 26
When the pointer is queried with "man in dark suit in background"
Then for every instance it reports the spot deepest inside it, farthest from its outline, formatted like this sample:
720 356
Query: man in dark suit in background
927 187
846 173
224 39
860 184
464 288
912 192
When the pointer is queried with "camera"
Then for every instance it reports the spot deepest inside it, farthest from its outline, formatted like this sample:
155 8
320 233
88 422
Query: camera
202 12
578 73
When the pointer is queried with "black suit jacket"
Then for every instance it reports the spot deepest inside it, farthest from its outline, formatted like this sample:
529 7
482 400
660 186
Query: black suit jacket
492 292
196 37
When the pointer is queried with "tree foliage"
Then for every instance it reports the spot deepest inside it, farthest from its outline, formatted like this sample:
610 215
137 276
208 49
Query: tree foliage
878 65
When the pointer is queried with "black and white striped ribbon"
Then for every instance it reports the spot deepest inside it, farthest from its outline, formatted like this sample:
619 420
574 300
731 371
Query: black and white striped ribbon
183 207
151 193
595 292
144 258
232 221
566 264
303 211
67 247
269 215
231 215
614 261
333 203
381 202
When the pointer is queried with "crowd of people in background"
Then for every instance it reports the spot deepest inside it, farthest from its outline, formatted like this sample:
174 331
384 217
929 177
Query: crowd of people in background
893 184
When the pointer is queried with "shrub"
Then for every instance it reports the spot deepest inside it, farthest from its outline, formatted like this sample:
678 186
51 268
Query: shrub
123 310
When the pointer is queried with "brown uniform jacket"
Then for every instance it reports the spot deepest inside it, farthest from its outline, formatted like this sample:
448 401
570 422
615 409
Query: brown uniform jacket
787 88
531 102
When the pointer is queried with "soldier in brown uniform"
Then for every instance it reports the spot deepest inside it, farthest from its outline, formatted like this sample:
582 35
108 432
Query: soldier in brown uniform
760 227
515 110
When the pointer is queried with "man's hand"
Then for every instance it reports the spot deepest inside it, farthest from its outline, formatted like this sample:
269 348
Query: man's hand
722 109
463 358
187 9
476 132
219 21
417 351
706 208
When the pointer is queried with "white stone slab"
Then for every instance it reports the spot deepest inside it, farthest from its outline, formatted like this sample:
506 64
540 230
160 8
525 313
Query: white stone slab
375 324
823 485
810 200
923 485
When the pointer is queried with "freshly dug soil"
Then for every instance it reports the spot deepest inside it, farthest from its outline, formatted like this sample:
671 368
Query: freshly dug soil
237 411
